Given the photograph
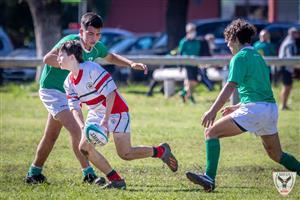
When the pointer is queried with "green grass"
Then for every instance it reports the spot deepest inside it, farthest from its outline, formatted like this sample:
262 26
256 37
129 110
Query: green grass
245 171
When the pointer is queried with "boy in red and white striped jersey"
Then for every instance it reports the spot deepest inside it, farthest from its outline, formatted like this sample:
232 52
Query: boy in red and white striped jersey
89 83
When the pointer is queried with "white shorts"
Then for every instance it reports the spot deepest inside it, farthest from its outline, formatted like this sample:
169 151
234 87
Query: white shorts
118 123
259 118
55 101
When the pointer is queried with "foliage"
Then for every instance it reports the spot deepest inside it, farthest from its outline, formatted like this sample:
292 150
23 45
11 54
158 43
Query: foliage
16 18
244 173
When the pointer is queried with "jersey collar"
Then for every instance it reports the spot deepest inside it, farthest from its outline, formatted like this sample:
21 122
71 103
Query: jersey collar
78 78
247 47
87 51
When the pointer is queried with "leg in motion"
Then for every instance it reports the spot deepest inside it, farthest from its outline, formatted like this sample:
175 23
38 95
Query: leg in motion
44 148
273 148
67 120
224 127
127 152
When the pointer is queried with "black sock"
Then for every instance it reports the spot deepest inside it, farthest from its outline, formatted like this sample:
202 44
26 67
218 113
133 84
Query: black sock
154 152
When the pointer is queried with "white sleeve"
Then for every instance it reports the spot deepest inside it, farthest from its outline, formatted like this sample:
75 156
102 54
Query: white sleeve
72 96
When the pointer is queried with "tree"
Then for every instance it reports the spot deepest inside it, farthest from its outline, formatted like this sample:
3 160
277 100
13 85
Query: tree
46 16
176 18
15 19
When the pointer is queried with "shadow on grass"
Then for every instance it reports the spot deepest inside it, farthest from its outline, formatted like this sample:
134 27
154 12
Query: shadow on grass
167 190
136 92
170 188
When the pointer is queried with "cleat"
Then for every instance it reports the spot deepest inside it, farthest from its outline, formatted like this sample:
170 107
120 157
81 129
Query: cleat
91 178
120 184
205 181
169 158
35 179
100 181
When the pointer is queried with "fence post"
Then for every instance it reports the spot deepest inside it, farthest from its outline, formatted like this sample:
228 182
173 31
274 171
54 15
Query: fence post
169 88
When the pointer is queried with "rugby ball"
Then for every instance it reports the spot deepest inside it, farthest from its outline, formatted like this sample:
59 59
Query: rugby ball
96 134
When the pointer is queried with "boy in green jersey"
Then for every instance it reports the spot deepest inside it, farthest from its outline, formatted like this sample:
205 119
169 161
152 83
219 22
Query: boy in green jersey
190 45
54 98
264 45
257 112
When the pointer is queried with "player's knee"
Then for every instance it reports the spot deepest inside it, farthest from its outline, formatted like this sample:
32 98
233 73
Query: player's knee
84 148
209 133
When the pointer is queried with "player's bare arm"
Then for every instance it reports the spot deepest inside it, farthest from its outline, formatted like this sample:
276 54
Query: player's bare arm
78 117
122 61
109 105
51 58
209 117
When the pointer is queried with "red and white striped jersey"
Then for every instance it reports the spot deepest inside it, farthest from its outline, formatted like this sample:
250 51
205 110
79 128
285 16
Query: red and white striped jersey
91 86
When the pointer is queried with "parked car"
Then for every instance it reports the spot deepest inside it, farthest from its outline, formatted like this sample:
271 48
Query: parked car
109 36
217 26
5 48
138 45
160 46
5 44
21 73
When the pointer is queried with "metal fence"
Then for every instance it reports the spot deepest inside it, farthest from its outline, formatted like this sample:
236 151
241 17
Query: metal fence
9 62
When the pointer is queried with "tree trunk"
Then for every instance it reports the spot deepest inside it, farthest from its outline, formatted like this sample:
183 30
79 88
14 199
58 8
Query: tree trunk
46 16
176 20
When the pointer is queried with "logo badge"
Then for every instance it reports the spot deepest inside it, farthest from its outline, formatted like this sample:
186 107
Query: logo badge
89 85
113 121
284 182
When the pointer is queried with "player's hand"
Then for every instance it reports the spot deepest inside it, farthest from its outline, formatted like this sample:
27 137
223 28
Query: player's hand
104 124
208 118
228 109
140 66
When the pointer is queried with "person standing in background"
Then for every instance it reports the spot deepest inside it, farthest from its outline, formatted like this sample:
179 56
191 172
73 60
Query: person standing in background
190 45
264 46
288 48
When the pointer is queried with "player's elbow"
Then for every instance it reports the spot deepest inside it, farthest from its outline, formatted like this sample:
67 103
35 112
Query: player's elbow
110 58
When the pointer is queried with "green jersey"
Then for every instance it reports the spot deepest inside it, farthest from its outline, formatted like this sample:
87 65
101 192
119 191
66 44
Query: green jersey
265 48
251 74
53 77
189 47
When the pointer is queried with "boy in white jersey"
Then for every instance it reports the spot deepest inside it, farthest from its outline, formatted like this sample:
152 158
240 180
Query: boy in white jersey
90 84
257 112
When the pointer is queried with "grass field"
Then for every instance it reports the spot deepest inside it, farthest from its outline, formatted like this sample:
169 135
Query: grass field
245 171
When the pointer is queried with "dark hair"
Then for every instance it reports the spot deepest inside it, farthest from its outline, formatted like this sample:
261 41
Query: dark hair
91 19
241 30
73 47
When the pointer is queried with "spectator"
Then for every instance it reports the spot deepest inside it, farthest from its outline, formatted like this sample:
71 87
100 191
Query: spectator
287 49
192 46
264 46
210 38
